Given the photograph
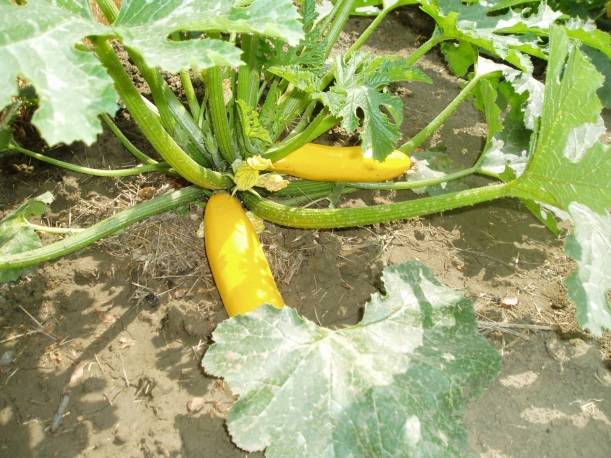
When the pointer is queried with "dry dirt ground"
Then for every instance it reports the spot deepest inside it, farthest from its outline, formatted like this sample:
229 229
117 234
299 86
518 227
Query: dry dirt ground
118 330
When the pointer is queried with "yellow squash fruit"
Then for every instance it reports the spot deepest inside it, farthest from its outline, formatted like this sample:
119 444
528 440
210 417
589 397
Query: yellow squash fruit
341 163
237 261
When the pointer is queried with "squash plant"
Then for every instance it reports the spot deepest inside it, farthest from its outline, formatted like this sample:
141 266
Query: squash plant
395 383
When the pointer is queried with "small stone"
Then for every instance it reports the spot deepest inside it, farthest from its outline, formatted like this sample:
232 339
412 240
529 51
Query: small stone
7 358
509 302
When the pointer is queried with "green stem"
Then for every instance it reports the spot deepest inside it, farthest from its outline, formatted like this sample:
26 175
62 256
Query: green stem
54 230
175 118
187 86
358 44
304 121
88 170
401 185
417 140
151 126
338 24
304 188
248 74
129 146
319 125
102 229
218 112
313 197
435 39
109 9
353 217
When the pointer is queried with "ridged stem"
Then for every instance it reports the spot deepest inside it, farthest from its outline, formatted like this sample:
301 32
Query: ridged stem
102 229
218 113
308 218
151 125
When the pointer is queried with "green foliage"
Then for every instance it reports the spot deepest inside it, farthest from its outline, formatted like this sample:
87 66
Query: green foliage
567 148
356 91
590 246
394 385
146 26
74 87
15 234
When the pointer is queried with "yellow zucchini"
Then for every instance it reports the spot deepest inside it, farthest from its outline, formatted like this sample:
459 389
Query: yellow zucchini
341 163
237 261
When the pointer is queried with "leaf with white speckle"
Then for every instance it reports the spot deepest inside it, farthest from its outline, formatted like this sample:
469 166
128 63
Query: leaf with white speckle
392 385
590 246
15 234
37 43
146 26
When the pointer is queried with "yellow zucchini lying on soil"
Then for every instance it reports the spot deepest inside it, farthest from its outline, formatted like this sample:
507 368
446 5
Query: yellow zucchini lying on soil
237 261
341 163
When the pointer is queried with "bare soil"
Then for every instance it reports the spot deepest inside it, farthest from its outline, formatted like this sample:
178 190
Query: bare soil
119 329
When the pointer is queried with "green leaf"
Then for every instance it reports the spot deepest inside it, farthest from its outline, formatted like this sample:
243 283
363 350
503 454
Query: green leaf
603 66
568 163
251 125
474 23
460 56
393 385
589 286
145 26
37 43
358 91
16 236
307 80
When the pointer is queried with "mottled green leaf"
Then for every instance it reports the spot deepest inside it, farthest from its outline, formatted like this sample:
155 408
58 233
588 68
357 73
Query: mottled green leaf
393 385
37 43
146 26
568 162
590 246
16 236
603 66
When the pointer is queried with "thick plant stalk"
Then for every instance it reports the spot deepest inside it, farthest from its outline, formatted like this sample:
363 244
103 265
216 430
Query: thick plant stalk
218 112
307 218
102 229
248 74
151 126
88 170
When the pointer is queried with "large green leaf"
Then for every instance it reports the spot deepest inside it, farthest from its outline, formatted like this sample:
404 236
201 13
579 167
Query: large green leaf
568 162
358 89
16 236
590 246
146 27
473 23
37 43
392 385
511 35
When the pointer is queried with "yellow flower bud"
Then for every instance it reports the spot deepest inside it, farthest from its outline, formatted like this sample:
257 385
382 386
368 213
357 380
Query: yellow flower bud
259 163
245 177
272 182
